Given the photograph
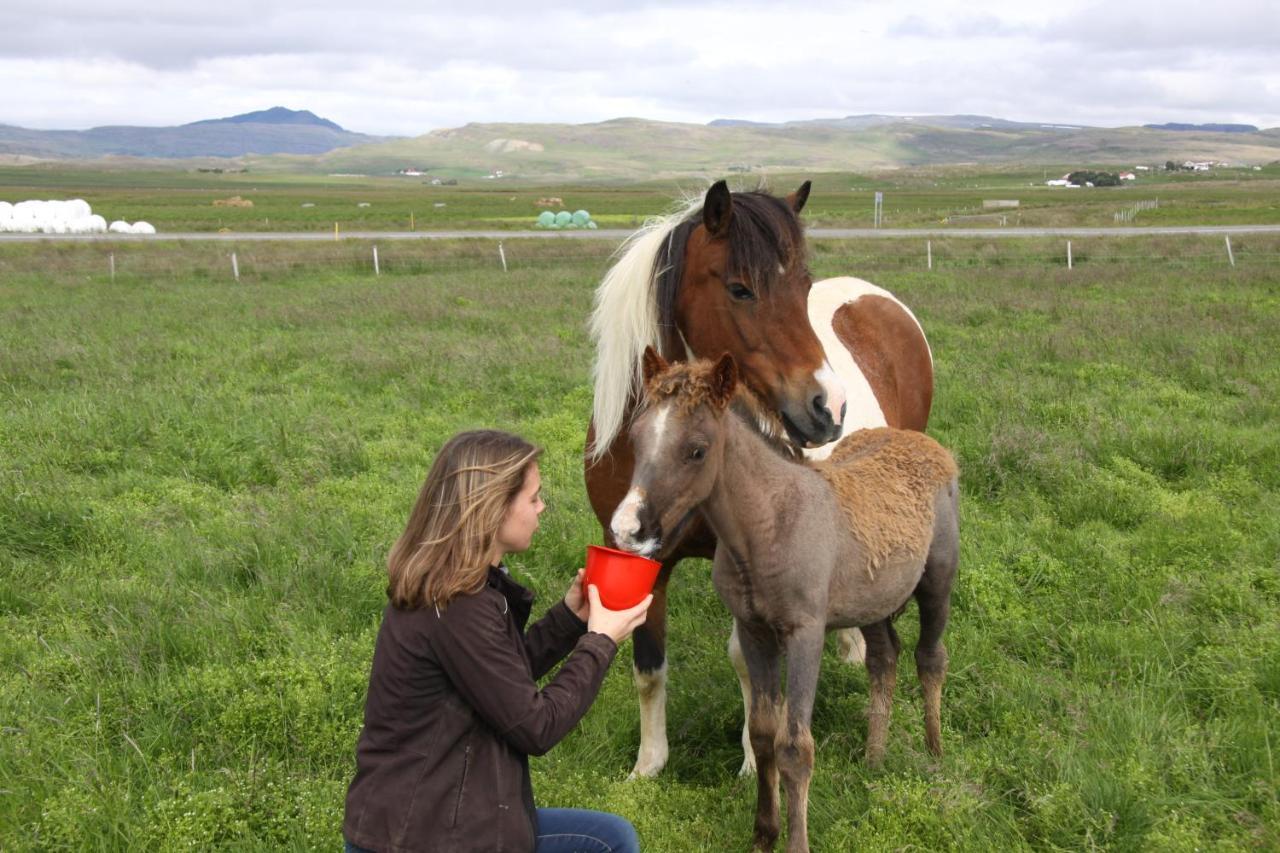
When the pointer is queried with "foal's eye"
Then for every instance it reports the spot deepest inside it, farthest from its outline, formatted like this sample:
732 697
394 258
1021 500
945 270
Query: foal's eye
697 453
740 292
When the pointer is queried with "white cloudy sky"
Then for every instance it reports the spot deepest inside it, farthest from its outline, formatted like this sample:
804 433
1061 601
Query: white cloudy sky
394 67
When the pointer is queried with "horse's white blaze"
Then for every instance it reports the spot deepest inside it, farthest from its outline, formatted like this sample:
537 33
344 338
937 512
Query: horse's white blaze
827 297
625 523
652 687
831 384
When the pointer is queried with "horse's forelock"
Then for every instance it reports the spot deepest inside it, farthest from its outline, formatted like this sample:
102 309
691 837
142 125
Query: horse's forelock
764 236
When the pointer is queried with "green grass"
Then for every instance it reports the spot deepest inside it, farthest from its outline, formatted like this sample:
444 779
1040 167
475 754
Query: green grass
176 201
199 480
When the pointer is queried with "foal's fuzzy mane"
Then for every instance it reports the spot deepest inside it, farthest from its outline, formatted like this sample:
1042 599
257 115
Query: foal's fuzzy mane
689 385
635 302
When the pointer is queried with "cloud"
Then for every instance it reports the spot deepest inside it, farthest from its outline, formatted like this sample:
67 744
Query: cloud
388 66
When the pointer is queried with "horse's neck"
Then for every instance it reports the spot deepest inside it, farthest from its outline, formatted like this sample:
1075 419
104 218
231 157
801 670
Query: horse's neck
742 505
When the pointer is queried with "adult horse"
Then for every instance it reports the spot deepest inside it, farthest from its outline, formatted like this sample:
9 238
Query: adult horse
728 273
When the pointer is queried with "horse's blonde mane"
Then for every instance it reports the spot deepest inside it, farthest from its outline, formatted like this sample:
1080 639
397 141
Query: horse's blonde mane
625 321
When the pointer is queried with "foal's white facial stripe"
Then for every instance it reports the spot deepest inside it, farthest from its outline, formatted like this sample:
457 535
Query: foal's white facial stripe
659 427
831 383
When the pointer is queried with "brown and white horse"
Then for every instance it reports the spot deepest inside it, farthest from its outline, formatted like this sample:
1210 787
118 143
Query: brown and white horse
729 273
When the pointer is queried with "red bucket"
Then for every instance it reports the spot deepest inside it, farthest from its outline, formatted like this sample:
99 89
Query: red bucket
623 579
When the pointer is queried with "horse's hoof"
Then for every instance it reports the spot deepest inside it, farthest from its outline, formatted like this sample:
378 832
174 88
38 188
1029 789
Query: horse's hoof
647 768
763 842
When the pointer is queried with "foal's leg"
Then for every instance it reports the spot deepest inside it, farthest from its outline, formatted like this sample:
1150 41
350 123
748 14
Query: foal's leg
744 681
931 664
933 596
795 744
764 663
882 668
648 647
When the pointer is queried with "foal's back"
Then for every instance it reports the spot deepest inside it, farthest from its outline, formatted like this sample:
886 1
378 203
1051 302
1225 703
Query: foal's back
889 486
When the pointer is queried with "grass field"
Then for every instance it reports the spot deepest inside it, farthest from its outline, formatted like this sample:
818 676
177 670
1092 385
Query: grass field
200 479
176 201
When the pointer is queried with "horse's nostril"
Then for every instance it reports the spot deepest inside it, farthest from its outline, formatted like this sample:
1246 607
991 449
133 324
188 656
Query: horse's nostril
820 406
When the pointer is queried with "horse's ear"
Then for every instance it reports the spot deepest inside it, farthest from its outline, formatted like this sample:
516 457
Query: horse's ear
800 196
651 364
717 208
724 380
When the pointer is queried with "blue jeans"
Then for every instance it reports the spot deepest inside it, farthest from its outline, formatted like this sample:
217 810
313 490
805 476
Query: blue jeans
582 831
574 831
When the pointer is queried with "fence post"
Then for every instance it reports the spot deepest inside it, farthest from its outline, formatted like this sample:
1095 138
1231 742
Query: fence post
502 256
1068 254
929 249
335 231
113 267
411 225
376 271
1230 256
235 266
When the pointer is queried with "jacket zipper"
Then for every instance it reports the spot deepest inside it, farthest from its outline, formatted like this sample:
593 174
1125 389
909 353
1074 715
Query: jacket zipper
466 765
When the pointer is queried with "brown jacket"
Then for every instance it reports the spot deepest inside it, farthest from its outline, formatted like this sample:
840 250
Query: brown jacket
453 713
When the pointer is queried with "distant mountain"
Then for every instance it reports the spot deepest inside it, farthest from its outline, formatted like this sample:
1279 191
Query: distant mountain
275 115
638 149
274 131
1211 128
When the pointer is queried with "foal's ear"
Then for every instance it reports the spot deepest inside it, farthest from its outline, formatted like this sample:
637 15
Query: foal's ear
724 380
651 364
800 196
717 209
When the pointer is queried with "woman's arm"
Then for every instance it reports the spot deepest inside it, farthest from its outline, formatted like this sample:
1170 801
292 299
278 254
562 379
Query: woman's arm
552 637
473 647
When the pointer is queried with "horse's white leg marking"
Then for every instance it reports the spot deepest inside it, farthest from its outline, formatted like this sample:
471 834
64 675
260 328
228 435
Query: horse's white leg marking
853 648
652 688
744 681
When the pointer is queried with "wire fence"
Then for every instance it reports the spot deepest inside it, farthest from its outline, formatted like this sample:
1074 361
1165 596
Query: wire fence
262 262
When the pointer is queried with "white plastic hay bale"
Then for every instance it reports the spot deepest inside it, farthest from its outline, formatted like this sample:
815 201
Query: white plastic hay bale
96 224
120 227
80 207
141 227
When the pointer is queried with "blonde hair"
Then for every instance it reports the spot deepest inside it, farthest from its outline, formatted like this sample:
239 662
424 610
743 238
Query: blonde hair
444 550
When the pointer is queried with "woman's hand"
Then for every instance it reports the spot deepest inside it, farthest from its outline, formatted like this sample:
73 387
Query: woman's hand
576 598
617 624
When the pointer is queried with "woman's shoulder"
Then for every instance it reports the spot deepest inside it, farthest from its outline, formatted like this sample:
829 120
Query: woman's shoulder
485 603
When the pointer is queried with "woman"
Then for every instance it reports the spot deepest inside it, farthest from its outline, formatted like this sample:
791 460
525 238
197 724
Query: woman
454 710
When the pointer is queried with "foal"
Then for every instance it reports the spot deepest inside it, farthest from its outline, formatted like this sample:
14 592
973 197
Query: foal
802 549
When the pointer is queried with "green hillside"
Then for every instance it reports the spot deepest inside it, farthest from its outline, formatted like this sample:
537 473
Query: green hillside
637 149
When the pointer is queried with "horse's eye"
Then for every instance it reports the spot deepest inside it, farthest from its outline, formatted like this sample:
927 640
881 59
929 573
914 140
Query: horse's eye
697 453
740 292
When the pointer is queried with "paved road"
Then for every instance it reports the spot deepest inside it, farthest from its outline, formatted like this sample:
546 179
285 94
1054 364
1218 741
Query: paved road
618 234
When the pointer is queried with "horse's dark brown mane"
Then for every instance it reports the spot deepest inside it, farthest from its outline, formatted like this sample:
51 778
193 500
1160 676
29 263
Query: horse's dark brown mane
764 234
